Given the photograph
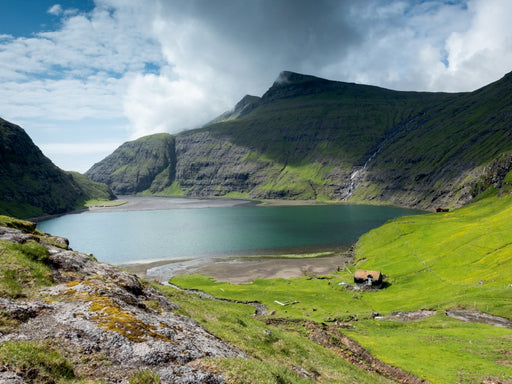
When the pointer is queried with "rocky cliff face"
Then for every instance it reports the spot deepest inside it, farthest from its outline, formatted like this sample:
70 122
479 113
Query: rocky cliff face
31 185
310 138
107 322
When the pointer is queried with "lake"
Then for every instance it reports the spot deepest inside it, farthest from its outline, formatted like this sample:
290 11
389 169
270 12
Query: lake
195 229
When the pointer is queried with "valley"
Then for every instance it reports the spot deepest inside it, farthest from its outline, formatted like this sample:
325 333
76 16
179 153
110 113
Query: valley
443 313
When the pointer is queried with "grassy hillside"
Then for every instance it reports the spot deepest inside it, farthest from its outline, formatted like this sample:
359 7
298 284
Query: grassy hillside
442 151
31 185
456 260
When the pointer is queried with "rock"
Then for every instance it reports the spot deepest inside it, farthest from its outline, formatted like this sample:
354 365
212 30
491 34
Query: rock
99 310
16 235
21 311
11 378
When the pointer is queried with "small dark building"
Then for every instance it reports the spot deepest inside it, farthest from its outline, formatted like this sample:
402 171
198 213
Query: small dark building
372 279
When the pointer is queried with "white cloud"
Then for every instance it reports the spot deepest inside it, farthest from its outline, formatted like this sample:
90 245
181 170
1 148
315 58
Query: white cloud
158 104
169 66
433 45
483 52
55 10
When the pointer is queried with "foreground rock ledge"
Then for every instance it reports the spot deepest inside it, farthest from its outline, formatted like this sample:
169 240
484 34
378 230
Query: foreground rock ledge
110 324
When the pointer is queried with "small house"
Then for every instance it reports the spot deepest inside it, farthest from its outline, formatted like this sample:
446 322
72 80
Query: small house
372 279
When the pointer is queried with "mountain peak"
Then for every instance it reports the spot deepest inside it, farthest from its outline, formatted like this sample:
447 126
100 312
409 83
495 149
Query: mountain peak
290 84
288 77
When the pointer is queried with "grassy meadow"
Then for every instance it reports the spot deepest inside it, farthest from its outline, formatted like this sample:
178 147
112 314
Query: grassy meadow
443 261
455 260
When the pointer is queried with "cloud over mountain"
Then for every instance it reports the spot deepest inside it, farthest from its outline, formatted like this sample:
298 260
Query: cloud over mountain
153 66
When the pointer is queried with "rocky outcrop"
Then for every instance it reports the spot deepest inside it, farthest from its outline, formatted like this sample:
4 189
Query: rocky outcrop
108 322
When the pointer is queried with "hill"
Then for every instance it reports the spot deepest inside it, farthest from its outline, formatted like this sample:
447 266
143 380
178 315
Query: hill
444 314
66 318
31 185
311 138
145 164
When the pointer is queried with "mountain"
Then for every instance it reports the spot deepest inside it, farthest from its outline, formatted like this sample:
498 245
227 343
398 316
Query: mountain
31 185
311 138
144 164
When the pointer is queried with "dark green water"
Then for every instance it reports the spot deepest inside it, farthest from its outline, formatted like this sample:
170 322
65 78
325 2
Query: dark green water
173 234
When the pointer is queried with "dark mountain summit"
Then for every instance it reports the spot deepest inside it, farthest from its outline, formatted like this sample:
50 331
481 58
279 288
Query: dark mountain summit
31 185
311 138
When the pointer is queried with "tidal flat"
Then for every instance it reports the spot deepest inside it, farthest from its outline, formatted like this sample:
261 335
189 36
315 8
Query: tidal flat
241 270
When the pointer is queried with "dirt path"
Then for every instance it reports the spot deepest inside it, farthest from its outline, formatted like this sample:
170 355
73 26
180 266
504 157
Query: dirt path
331 337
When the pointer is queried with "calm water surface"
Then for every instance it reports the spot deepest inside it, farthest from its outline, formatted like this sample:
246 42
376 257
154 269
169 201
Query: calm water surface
122 237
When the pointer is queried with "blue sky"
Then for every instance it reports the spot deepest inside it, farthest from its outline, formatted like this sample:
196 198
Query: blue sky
83 76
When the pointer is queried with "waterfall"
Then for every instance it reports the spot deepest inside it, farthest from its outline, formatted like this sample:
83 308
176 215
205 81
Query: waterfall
359 173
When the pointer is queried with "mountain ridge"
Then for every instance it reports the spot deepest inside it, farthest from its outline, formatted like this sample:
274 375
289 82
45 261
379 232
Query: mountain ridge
316 139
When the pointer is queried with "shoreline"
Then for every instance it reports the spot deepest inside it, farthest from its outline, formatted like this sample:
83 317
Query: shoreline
243 270
144 203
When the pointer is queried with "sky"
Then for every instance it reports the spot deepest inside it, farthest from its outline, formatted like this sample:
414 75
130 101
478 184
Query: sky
84 76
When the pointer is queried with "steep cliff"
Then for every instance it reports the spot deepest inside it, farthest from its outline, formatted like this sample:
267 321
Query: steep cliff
148 163
311 138
31 185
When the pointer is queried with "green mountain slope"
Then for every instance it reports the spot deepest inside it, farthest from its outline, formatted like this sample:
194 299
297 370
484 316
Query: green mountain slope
444 153
310 138
31 185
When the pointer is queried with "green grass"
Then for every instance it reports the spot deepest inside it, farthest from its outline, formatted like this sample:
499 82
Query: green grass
144 376
173 190
441 349
317 299
35 362
22 269
460 259
442 260
23 225
274 351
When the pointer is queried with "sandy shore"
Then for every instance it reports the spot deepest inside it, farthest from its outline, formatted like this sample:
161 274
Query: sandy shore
243 270
147 203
